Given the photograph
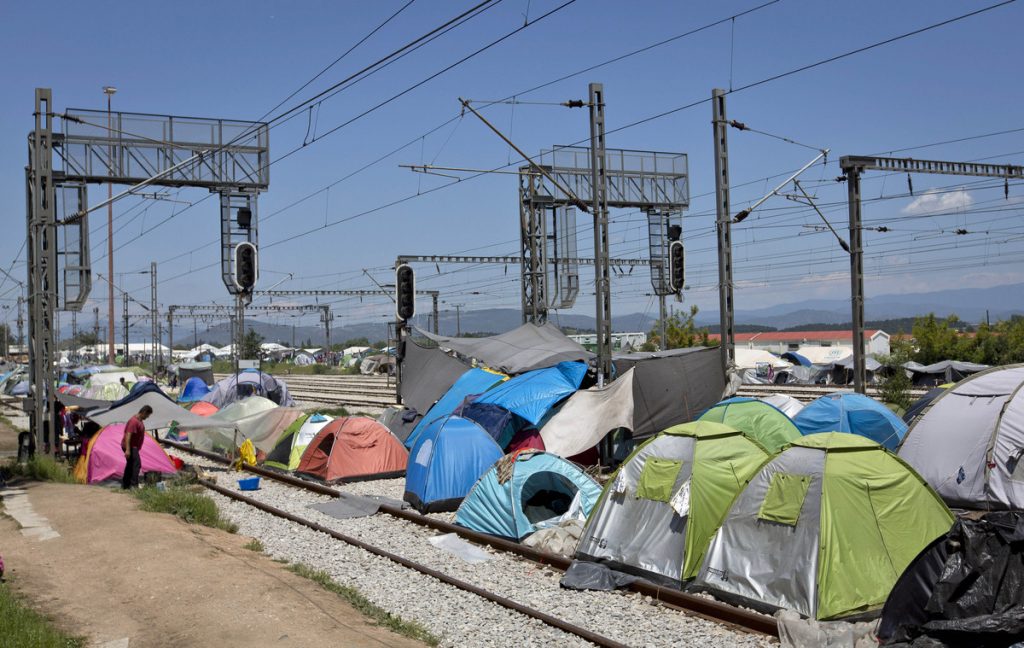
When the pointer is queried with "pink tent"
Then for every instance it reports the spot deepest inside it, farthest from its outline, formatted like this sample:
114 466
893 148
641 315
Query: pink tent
104 458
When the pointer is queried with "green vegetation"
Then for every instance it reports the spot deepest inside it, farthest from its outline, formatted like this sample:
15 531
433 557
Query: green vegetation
331 411
39 468
895 388
254 545
22 626
185 501
949 338
250 345
356 599
680 331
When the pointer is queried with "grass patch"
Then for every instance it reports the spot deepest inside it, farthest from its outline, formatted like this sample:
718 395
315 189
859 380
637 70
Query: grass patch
355 598
22 626
187 502
39 468
330 411
254 545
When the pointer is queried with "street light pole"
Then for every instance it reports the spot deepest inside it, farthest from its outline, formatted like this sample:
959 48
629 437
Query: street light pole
109 91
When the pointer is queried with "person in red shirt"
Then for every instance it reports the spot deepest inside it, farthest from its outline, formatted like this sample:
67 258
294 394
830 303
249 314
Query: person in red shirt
134 435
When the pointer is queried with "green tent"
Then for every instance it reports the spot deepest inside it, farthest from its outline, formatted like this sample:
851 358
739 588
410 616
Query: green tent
656 516
757 419
294 440
824 528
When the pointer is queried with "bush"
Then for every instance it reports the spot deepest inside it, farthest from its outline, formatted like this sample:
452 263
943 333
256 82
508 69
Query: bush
186 502
39 468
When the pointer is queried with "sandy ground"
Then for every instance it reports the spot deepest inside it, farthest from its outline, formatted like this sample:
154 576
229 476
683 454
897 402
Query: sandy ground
116 572
8 440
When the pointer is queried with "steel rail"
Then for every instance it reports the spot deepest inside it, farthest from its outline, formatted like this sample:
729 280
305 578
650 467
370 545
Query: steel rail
700 606
554 622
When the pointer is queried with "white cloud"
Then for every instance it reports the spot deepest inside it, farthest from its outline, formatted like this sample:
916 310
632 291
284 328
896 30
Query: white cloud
933 201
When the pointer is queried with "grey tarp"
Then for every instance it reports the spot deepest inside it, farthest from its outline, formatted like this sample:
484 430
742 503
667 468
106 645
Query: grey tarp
941 372
523 349
588 416
83 404
672 387
164 413
427 373
347 506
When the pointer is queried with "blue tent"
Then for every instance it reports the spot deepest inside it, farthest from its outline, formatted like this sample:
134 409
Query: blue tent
532 394
510 501
854 413
474 381
138 389
447 459
194 390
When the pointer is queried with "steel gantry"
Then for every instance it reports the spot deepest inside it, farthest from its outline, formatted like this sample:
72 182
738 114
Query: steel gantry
231 313
348 293
229 157
853 166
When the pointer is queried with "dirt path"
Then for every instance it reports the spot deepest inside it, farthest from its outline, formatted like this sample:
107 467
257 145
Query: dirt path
116 572
8 440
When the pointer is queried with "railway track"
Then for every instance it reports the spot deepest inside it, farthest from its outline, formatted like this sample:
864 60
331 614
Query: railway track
709 609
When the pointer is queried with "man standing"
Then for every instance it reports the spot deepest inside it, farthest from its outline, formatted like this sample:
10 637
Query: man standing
134 434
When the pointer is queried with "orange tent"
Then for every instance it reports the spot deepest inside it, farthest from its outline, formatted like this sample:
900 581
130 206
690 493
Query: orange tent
351 448
203 408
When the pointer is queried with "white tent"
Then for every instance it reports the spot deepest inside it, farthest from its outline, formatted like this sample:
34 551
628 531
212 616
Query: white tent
824 355
750 358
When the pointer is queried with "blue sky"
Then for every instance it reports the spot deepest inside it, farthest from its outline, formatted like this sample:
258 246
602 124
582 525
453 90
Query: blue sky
239 59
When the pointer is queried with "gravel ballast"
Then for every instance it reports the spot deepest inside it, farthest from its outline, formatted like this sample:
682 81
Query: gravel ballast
458 617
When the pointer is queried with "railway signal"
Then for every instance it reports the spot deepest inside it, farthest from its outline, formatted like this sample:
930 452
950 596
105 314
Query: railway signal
405 292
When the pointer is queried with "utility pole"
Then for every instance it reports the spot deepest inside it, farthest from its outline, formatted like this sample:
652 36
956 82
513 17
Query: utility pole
109 91
74 325
602 278
723 223
96 330
661 316
170 333
154 319
125 329
21 324
458 319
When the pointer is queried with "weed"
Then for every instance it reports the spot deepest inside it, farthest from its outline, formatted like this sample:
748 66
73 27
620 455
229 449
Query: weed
254 545
186 502
356 599
39 468
23 626
331 411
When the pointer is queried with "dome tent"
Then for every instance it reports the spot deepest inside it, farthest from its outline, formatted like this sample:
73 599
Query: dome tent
969 443
473 381
104 458
757 419
825 528
447 459
353 448
522 490
785 403
656 516
194 390
853 413
293 441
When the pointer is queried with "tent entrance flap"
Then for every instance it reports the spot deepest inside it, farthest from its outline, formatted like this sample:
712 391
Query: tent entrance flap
785 498
546 495
658 478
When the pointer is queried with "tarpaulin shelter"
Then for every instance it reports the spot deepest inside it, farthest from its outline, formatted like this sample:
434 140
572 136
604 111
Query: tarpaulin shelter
352 448
945 371
470 383
201 370
969 443
249 382
656 516
671 387
427 373
853 413
104 458
447 459
194 390
165 412
964 589
825 528
84 405
295 439
785 403
522 349
137 390
522 491
757 419
588 416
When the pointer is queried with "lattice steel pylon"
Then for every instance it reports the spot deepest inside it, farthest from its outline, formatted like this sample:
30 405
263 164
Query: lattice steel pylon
229 157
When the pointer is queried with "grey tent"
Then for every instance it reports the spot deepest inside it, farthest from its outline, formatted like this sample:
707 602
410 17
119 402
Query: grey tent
523 349
671 387
969 443
249 382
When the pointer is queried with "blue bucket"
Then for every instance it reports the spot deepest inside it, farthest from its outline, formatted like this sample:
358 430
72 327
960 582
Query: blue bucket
249 483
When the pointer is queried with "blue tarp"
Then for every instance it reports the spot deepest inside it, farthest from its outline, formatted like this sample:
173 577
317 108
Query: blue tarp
447 459
853 413
796 359
472 382
541 487
532 394
194 390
